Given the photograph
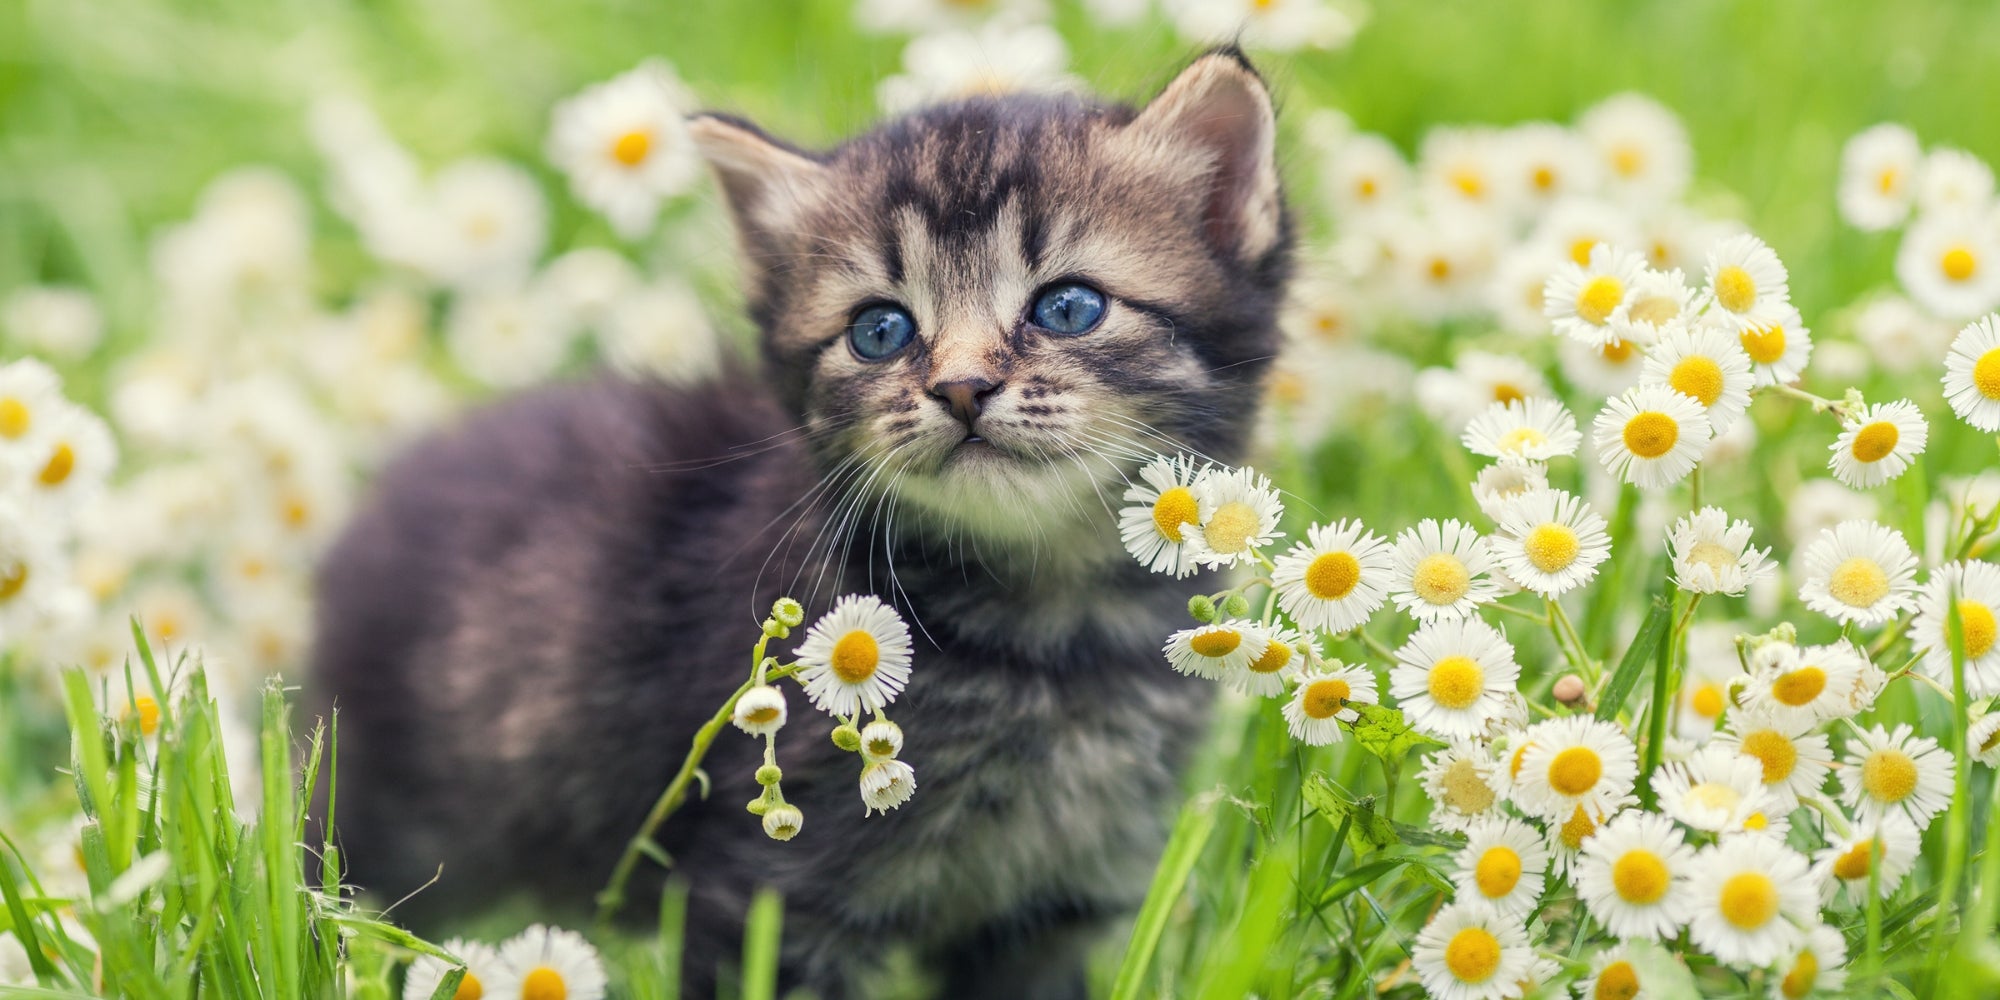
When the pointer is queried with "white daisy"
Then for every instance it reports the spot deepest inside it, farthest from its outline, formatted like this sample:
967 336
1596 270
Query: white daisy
660 331
1953 181
1498 378
1706 364
1159 509
1896 773
1442 571
1575 762
1878 176
886 784
1712 554
881 740
1651 436
1452 676
1747 282
1804 685
31 570
1576 227
29 390
1750 896
1859 572
1460 166
1878 443
1643 145
547 962
1277 25
761 710
1463 785
66 459
1214 651
1613 976
1843 866
1590 303
1546 164
625 146
1550 542
1715 789
491 222
1322 701
783 822
1501 483
1265 674
1364 174
998 57
1793 761
1779 350
507 337
1336 578
1975 586
1533 429
482 961
1950 263
1817 964
1661 302
1899 336
1634 876
1567 839
1501 865
1237 513
1971 374
856 657
1470 952
1601 369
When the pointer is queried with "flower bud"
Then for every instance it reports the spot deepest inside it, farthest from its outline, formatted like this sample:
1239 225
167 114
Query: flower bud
769 775
783 822
1201 609
1236 606
846 737
881 741
788 612
776 629
761 710
758 806
1569 690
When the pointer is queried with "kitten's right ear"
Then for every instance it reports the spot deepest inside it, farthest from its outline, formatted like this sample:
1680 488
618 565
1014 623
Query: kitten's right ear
765 181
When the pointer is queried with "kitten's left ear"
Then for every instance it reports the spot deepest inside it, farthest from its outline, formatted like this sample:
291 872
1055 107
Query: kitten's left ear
765 181
1217 115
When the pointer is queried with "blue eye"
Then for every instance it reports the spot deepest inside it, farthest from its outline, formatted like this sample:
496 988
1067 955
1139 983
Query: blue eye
879 331
1069 309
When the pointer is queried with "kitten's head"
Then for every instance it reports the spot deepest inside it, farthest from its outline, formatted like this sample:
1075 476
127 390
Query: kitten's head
994 309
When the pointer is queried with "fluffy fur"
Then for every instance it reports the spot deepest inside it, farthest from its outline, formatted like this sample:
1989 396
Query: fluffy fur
524 627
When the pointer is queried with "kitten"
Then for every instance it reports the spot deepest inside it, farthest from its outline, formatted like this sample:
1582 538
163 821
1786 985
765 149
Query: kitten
527 623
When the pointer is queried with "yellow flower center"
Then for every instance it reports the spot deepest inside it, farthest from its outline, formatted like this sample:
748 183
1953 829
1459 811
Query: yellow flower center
1617 352
855 656
1507 392
761 716
1580 248
1232 527
1473 955
1276 654
1325 698
1440 269
1714 795
1756 821
1707 701
149 714
1464 789
1366 188
1858 582
1958 264
1628 160
1650 434
1469 183
1641 877
1885 181
1522 438
1618 981
1577 829
544 983
1543 177
1749 900
1551 546
631 148
1655 309
1977 619
881 747
1764 346
13 581
1773 750
1874 442
1333 575
1852 865
1889 775
1457 681
14 418
1698 376
1441 579
1575 771
1798 688
469 988
1498 872
1215 644
1174 508
1519 757
60 464
1985 377
1597 300
1735 289
1803 976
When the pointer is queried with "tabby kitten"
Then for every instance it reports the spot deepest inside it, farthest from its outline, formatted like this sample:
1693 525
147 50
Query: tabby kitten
976 320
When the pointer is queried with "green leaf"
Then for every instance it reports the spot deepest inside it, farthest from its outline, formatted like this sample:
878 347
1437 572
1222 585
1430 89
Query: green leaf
1191 832
1382 732
1367 829
1652 632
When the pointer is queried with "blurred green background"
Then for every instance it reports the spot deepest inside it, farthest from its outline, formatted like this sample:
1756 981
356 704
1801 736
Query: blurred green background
113 114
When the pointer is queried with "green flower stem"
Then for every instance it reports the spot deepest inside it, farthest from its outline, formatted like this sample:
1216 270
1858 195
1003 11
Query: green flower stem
1656 720
1958 831
1521 612
1572 643
1375 645
612 897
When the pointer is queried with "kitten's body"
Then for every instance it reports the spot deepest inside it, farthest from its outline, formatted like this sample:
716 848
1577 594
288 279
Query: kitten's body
526 627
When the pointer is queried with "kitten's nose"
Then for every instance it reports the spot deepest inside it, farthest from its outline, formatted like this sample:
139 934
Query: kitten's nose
966 397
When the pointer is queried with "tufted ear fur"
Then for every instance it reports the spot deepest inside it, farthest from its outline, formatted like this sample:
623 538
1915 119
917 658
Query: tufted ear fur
765 182
1214 130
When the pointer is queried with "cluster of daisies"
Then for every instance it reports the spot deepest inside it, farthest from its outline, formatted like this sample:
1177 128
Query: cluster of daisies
1949 259
965 48
55 457
855 659
540 963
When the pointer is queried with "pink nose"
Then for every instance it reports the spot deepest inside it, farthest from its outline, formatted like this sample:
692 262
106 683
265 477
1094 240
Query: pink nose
966 397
